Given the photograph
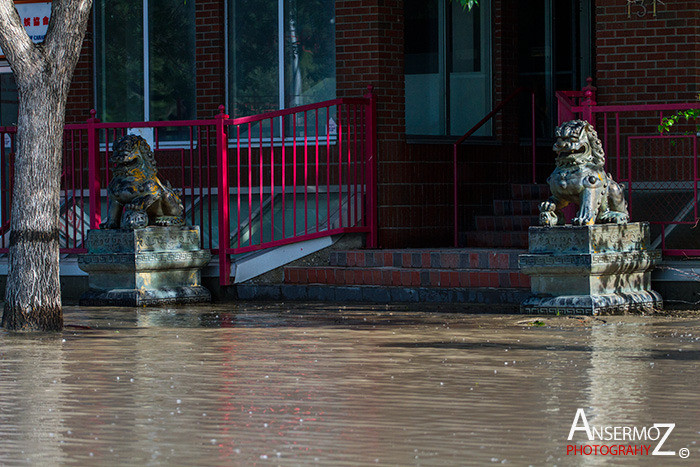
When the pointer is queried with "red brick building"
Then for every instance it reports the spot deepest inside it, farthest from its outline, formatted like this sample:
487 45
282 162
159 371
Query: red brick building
436 69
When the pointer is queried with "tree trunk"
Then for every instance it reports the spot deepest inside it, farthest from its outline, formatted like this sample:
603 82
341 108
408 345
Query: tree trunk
43 73
33 294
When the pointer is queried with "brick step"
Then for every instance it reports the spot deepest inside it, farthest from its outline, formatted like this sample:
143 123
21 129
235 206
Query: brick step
539 192
503 207
505 300
503 239
448 258
519 222
405 277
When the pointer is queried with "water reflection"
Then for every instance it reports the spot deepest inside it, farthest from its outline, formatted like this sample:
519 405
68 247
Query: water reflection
245 384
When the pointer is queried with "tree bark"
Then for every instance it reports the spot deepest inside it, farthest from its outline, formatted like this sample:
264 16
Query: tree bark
43 73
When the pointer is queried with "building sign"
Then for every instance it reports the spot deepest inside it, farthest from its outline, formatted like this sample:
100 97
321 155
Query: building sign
35 18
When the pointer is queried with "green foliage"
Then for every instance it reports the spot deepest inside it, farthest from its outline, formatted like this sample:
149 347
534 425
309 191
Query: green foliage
687 115
682 115
468 4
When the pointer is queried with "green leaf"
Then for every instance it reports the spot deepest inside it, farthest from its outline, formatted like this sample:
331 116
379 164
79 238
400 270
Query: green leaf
468 4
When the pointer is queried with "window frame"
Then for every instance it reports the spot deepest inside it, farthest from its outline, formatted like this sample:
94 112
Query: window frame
146 67
445 72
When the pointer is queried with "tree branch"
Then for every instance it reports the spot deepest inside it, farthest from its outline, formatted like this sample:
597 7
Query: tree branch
66 31
19 49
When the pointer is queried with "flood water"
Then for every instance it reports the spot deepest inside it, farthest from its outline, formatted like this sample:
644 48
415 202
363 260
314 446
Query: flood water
244 384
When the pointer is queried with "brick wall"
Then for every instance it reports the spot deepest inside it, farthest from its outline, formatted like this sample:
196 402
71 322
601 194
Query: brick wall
369 51
648 59
210 60
81 96
505 65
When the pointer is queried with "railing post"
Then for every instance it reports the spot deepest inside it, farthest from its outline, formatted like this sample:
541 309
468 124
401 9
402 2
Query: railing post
222 198
589 87
588 104
372 208
94 187
589 101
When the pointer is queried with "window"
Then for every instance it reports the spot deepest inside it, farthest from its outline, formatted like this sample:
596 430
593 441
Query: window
145 60
447 66
9 102
281 54
554 53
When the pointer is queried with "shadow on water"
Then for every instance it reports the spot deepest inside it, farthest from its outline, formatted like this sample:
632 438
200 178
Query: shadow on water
262 316
491 345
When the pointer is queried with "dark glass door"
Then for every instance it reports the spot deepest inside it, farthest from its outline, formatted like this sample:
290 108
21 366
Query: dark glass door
554 52
8 99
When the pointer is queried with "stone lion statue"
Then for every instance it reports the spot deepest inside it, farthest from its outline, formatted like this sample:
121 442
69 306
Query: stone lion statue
137 197
580 178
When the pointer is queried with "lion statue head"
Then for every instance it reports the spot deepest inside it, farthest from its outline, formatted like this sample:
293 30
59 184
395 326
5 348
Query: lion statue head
578 144
131 150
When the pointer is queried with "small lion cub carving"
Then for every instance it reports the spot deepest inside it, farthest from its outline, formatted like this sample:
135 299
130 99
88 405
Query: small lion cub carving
137 197
580 178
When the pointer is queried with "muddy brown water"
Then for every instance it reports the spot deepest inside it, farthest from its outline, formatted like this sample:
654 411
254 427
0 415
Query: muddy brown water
323 384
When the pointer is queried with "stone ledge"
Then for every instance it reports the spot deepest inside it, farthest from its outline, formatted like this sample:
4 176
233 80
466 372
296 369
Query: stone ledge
141 297
149 261
149 239
589 263
617 303
596 238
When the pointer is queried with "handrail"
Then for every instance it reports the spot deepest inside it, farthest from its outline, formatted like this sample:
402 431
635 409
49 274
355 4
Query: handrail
318 159
490 115
473 130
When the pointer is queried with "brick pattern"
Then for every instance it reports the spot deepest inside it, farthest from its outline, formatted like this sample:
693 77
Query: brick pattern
210 60
81 97
415 268
490 239
419 258
518 223
508 227
505 65
369 51
649 59
518 207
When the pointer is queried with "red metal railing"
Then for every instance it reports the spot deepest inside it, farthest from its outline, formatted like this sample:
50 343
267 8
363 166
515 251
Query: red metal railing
659 171
250 183
473 130
7 164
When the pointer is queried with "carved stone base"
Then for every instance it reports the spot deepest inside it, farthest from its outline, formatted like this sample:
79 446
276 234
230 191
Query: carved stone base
142 297
595 269
607 304
150 266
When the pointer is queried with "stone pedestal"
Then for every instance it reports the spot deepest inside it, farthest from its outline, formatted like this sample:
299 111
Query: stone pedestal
593 269
149 266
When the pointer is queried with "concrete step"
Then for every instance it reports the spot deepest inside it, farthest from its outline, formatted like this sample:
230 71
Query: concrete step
515 222
406 277
447 258
502 207
495 240
539 192
504 300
